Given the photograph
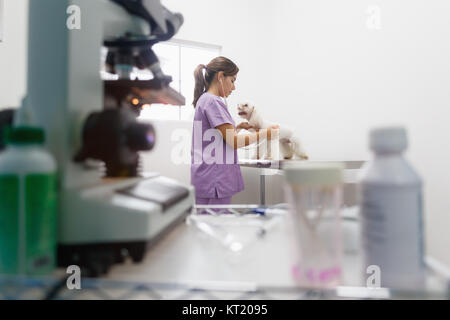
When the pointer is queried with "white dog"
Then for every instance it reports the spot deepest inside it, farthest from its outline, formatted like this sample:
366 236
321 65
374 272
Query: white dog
289 144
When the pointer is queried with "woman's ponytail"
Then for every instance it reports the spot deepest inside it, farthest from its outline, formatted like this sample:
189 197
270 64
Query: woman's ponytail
200 83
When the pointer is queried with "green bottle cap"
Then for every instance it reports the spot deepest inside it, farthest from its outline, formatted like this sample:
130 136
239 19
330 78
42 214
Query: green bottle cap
23 135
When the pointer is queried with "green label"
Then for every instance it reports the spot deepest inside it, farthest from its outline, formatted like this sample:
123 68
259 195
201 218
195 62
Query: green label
41 224
28 230
9 223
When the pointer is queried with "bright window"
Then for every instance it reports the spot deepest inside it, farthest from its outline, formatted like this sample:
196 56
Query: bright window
178 59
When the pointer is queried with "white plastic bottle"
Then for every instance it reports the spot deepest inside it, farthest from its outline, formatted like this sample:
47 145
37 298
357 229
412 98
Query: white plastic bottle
392 213
28 200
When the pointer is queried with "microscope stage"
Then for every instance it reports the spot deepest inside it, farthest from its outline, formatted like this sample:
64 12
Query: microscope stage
115 217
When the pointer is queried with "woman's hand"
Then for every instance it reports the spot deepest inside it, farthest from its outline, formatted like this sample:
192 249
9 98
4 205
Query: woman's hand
244 125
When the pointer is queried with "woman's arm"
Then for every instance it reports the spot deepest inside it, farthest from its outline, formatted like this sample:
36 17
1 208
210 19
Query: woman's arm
236 141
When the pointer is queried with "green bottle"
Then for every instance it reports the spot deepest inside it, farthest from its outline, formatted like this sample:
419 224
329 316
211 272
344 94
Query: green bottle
28 204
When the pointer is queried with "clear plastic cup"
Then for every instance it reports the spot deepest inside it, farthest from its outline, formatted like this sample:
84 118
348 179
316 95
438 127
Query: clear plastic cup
314 194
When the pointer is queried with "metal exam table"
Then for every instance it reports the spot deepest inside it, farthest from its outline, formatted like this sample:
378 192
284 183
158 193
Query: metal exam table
270 167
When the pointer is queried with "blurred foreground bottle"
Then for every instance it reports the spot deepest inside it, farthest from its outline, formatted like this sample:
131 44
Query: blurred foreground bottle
391 213
27 204
314 194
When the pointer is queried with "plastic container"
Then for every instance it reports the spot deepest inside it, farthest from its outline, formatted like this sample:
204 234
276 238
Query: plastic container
391 213
27 204
314 194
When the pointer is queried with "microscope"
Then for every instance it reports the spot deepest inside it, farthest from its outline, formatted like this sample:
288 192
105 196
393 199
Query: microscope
108 209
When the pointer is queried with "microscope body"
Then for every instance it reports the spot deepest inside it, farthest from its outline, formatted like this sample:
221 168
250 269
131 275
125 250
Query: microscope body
99 217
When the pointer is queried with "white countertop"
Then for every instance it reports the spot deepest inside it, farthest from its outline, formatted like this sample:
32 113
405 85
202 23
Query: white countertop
188 264
188 255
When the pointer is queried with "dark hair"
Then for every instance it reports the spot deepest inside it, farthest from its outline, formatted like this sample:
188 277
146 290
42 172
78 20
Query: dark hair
216 65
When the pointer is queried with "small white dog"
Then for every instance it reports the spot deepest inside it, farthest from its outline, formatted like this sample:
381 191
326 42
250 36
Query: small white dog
289 144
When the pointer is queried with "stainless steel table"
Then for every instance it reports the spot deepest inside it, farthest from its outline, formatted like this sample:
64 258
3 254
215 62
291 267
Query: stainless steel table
264 165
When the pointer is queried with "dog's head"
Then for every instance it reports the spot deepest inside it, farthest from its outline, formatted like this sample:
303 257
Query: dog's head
245 110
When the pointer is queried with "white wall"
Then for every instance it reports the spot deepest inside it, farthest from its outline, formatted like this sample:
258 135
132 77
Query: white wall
315 65
13 53
243 29
347 78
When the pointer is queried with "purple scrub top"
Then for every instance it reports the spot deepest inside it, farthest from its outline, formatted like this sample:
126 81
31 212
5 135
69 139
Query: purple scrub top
215 172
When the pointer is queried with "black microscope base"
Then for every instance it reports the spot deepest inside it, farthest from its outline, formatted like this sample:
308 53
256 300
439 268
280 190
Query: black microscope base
96 259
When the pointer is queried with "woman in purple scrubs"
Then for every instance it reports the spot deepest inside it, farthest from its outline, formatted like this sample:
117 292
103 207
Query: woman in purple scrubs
215 172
